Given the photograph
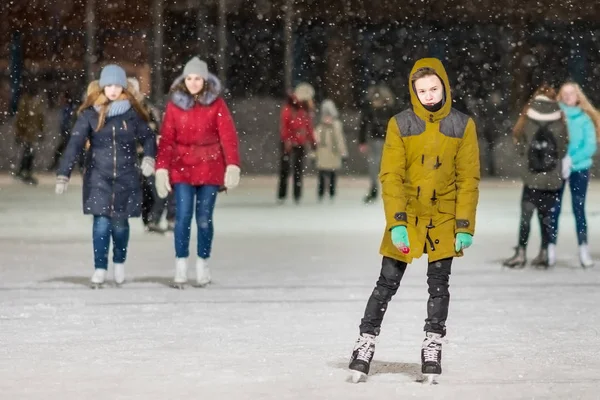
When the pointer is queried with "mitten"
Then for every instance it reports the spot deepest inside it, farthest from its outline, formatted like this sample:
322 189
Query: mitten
463 241
232 176
163 186
400 239
61 184
147 166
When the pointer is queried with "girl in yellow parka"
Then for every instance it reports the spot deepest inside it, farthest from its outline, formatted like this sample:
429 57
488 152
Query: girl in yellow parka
430 179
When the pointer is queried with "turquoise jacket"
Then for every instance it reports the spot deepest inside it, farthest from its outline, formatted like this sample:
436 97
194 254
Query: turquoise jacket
582 137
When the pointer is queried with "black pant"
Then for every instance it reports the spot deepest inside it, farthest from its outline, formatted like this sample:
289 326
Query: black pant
545 202
294 159
392 271
26 167
323 176
159 208
147 198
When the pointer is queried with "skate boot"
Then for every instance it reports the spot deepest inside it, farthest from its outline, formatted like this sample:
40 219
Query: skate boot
541 260
180 273
362 355
119 274
371 197
154 228
551 255
202 272
170 226
431 357
585 257
98 278
518 260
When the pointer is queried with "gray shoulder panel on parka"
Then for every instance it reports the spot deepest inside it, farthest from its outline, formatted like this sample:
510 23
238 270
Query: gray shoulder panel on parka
409 123
454 124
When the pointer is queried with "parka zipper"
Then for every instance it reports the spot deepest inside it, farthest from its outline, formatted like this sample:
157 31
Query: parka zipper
114 168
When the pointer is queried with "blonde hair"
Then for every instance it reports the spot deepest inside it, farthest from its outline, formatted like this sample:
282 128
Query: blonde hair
543 90
584 104
96 97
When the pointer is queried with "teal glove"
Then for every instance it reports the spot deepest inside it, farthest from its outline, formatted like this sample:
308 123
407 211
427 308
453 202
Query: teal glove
463 241
400 237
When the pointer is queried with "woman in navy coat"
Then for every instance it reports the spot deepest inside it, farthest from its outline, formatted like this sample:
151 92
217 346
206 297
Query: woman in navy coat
113 122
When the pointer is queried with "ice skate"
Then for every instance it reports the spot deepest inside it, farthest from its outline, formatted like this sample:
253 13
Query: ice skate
551 255
362 355
119 274
431 358
541 260
154 228
518 260
585 258
98 278
203 277
180 273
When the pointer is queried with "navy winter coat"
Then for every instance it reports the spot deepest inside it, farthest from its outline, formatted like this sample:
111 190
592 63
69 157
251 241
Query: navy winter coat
112 180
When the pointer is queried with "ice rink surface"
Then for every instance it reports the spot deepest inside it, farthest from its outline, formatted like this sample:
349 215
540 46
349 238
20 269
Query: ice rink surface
280 320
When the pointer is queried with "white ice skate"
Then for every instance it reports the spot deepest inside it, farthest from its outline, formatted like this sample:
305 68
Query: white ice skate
119 274
180 279
203 277
585 257
98 278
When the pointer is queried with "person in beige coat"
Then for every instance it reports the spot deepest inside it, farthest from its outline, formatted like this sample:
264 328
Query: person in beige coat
331 147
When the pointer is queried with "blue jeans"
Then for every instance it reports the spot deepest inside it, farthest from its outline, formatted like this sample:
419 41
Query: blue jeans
103 229
205 199
578 183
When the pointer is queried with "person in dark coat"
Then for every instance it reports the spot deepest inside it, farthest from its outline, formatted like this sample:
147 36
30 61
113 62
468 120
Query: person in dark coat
375 117
29 130
113 122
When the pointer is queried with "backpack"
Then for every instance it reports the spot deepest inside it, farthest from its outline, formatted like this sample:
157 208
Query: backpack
543 152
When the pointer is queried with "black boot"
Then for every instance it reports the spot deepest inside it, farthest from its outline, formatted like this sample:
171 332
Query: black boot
541 261
431 356
371 196
518 260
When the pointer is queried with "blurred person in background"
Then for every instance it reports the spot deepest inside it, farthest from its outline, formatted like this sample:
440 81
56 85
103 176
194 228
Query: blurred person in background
297 137
583 124
29 129
541 138
331 149
375 116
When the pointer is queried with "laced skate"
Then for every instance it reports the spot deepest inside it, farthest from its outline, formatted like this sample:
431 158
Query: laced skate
362 355
180 273
431 357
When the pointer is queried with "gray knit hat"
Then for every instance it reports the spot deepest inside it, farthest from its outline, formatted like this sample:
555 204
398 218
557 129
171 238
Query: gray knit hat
197 67
113 75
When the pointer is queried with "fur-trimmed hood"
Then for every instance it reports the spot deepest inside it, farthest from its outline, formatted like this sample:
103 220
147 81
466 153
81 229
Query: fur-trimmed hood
185 101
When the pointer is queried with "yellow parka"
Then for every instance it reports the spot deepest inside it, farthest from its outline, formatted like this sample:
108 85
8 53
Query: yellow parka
429 175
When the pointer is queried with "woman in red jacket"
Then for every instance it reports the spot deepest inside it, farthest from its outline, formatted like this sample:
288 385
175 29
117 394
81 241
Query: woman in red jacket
296 134
198 155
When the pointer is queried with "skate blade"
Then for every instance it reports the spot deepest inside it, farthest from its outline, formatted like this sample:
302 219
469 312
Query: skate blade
179 286
429 379
96 286
201 285
358 376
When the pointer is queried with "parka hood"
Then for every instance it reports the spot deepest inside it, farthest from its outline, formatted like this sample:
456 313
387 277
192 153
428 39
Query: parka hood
418 108
185 101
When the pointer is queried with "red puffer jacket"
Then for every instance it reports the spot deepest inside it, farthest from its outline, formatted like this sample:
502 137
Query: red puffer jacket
198 138
296 124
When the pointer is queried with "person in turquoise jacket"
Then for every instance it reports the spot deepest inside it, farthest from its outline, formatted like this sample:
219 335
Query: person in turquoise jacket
583 121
